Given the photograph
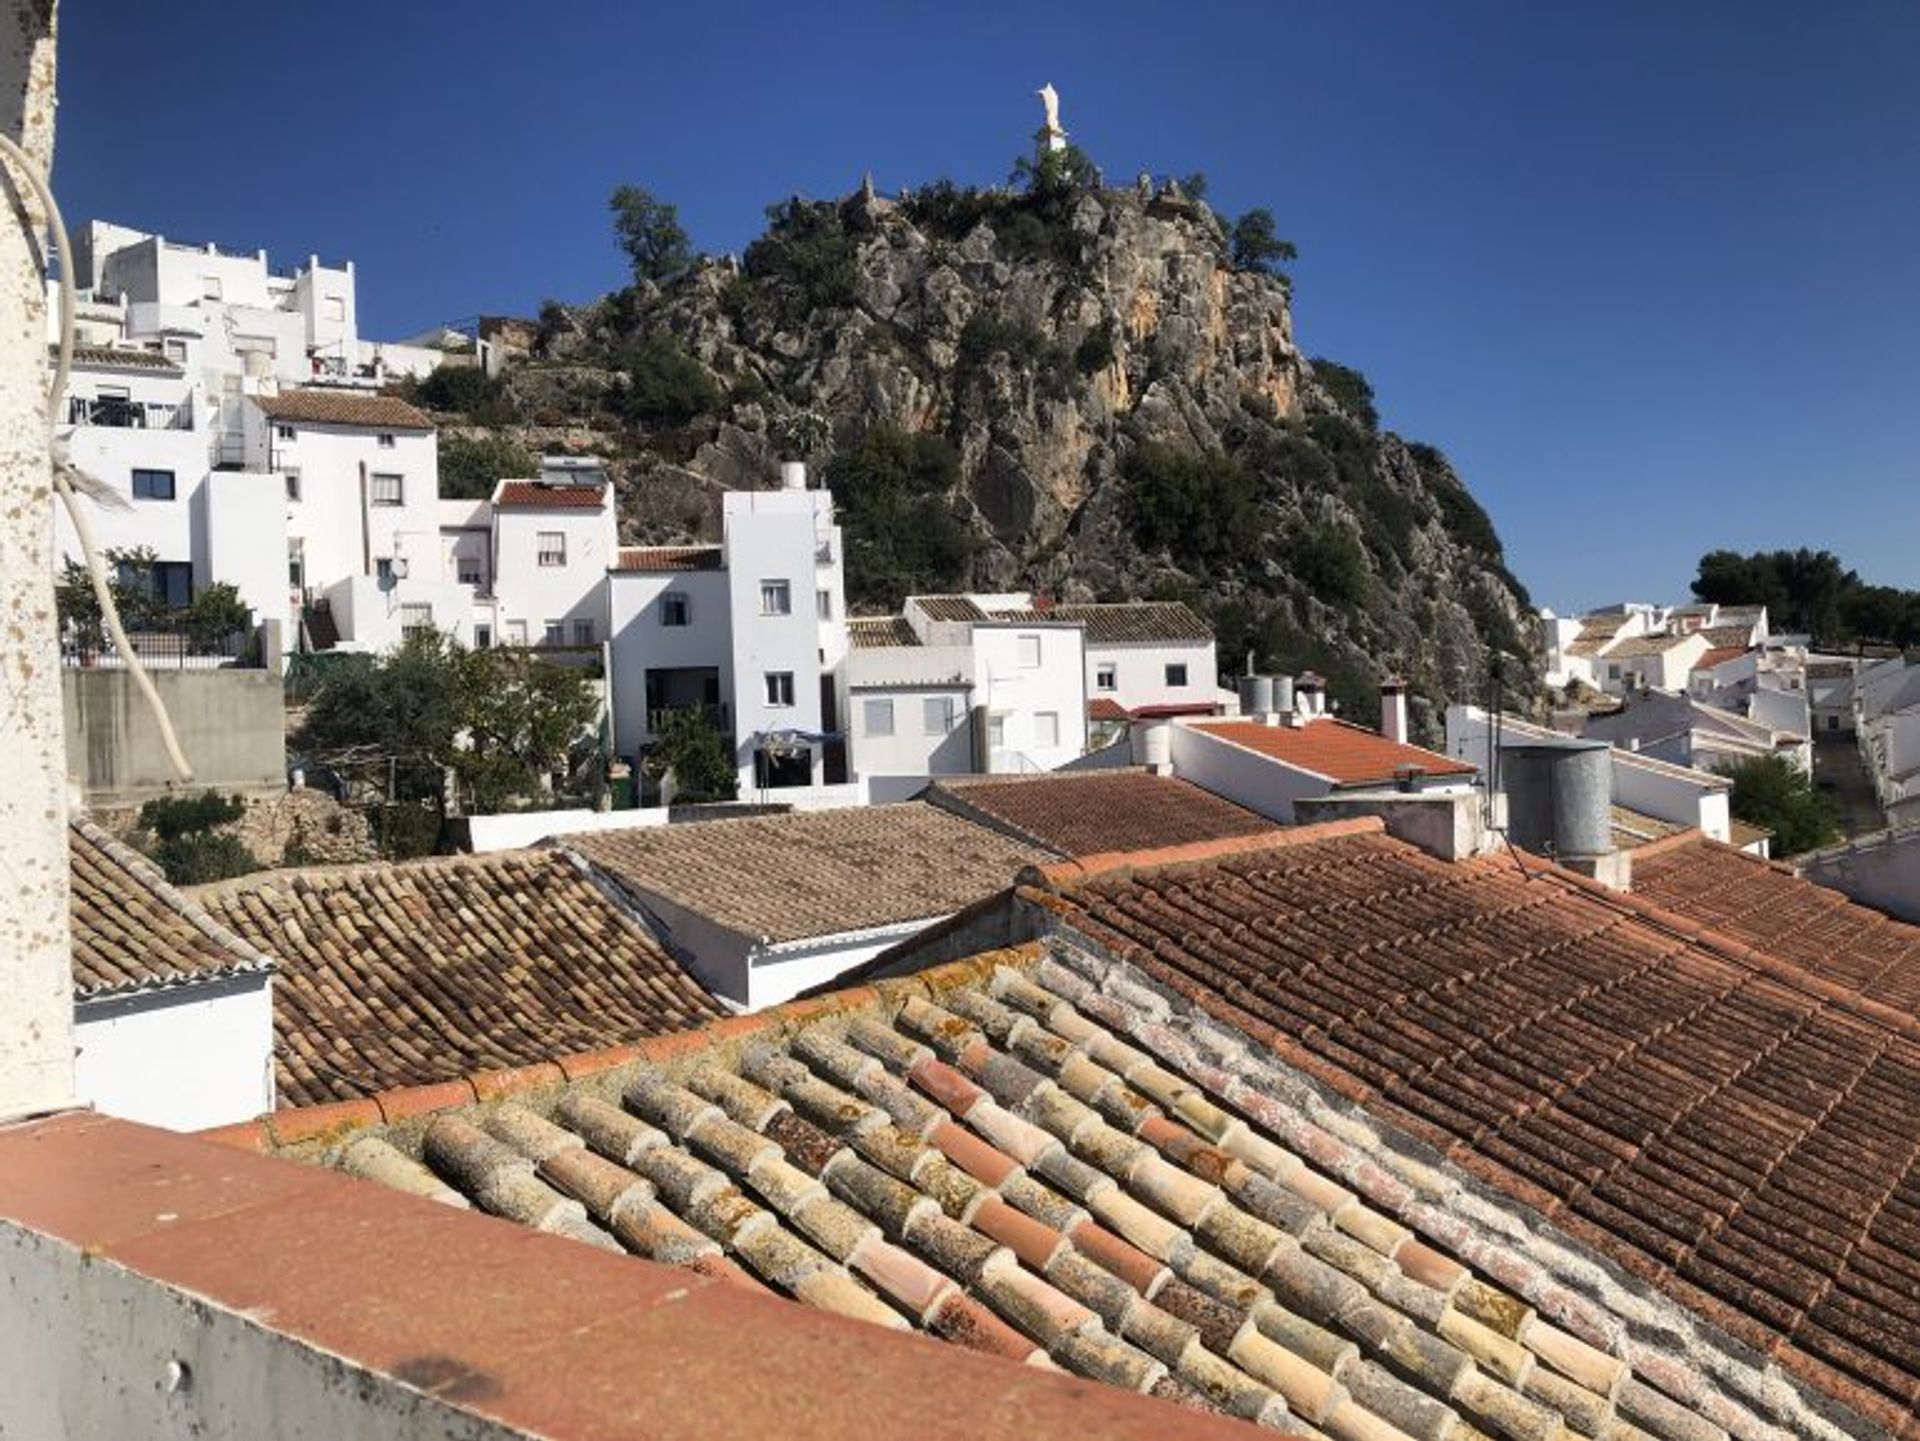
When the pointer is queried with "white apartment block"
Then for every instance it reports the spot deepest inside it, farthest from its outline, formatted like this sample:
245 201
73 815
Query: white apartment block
753 631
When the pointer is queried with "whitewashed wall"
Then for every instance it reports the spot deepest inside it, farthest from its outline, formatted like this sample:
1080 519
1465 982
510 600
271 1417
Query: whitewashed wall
186 1057
1005 683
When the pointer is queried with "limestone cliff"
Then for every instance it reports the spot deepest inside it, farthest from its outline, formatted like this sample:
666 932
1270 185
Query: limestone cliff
1075 392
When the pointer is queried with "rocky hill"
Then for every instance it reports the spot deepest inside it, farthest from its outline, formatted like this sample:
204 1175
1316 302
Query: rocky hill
1068 388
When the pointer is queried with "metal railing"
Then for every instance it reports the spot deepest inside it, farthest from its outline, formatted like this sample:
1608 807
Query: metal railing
167 650
117 412
715 716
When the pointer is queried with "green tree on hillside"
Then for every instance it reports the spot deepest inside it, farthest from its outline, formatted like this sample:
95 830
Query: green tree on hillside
1254 243
649 232
1773 792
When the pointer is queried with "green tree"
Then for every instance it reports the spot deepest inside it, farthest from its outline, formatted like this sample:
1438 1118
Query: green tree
189 848
1194 186
1804 590
1773 792
390 721
1254 244
693 750
522 718
466 390
217 614
470 467
129 582
667 385
1351 391
902 536
649 233
1201 509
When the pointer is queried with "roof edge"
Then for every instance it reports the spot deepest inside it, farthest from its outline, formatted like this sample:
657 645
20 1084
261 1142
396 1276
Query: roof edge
1120 864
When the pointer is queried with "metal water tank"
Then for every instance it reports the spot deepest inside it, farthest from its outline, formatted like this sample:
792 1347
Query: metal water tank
1283 693
1559 796
1152 746
1256 695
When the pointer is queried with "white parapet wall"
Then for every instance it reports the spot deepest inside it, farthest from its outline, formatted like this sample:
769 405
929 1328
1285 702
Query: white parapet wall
184 1057
518 829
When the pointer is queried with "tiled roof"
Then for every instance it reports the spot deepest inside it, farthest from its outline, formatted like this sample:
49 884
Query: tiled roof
1740 835
343 407
1105 708
1588 644
1020 1161
670 557
1124 623
396 975
1830 669
1089 812
134 932
1633 828
1719 655
533 494
126 359
1339 752
793 877
1761 903
876 632
1727 635
1633 647
948 607
1733 1130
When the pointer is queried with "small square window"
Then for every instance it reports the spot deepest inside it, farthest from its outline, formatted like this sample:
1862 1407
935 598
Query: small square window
174 348
153 485
1046 727
383 570
1106 677
552 546
209 287
583 632
1029 651
673 608
938 715
416 619
293 484
334 307
823 602
555 634
779 687
469 569
1177 673
877 715
283 432
386 442
776 598
388 489
483 637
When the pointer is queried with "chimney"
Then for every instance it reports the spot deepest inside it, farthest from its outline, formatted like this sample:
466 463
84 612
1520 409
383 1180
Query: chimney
793 475
1393 709
1310 697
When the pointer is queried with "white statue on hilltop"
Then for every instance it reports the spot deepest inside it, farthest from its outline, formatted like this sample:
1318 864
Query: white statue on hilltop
1050 98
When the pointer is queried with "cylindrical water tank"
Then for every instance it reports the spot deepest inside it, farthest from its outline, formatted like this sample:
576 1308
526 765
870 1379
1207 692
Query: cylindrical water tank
793 475
1283 693
1559 796
1256 694
1152 745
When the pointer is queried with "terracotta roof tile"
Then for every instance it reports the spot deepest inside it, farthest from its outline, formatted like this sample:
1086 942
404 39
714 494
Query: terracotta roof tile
132 931
540 495
791 877
947 607
1719 655
1027 1154
1733 1128
670 557
407 975
343 407
1633 828
125 358
1125 622
1106 708
1342 753
1086 813
875 632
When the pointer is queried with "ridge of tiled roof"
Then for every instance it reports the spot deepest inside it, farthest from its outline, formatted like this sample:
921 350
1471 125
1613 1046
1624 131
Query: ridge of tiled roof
116 355
1123 622
1334 750
1635 646
424 971
343 407
1721 1125
872 632
133 931
1720 655
1088 812
1034 1154
670 557
546 495
948 607
1123 865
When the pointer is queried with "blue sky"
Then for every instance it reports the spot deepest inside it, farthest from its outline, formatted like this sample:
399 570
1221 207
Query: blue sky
1648 272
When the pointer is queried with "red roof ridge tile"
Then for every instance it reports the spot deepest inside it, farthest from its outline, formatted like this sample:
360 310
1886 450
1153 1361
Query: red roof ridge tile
329 1120
1120 864
1673 842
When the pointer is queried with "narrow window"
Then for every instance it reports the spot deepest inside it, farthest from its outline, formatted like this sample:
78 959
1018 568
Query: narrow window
1046 727
293 484
555 634
583 632
673 608
779 687
938 715
996 732
1106 677
824 603
1029 651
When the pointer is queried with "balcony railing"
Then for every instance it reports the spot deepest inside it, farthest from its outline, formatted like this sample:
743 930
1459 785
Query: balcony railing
120 413
166 650
715 716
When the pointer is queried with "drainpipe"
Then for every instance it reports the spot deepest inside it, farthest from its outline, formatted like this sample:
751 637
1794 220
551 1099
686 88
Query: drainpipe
36 965
366 524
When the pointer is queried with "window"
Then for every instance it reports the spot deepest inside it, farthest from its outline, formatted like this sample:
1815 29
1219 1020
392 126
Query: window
293 484
776 598
334 307
209 287
1046 727
555 633
780 687
938 715
168 581
583 632
877 715
416 619
1613 672
996 732
552 547
296 562
467 569
1106 677
673 608
823 602
1833 722
283 432
386 441
174 349
388 489
483 637
153 485
383 570
1177 673
1029 651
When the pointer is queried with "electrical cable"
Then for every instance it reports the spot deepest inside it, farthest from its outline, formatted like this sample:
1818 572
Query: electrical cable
82 526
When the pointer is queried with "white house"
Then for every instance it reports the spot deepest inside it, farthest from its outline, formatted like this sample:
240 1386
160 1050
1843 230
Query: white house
552 543
1649 662
752 630
173 1013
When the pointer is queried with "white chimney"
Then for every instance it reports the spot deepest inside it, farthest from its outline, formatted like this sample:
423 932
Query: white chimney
793 475
1393 709
1309 698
